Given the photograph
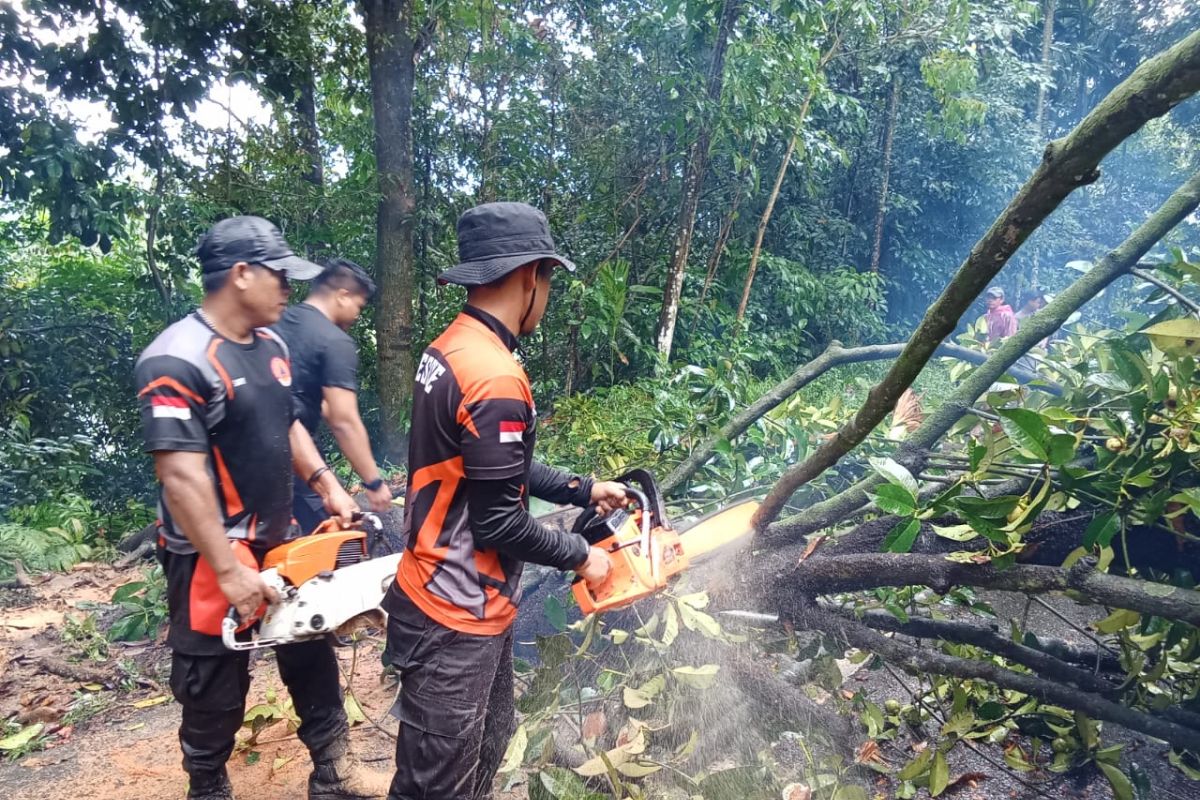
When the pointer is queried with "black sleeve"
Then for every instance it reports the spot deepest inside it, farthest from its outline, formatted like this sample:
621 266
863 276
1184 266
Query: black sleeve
176 405
555 486
499 521
341 364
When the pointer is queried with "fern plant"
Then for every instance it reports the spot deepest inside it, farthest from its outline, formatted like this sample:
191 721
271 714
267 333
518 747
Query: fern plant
39 550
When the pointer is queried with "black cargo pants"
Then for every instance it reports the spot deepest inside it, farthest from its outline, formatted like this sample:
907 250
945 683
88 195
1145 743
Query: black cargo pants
210 682
456 706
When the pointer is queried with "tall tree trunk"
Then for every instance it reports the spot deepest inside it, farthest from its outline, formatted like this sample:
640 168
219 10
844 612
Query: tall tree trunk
391 51
1047 45
305 109
693 179
888 140
766 215
783 168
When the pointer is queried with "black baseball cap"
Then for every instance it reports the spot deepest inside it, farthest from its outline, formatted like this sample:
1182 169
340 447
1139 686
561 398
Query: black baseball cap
255 241
496 238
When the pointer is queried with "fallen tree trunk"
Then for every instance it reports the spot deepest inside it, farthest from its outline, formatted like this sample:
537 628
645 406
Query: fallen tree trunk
1178 207
862 571
1153 89
835 355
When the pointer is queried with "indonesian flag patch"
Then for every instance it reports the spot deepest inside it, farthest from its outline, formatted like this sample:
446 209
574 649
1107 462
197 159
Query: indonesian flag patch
511 431
172 407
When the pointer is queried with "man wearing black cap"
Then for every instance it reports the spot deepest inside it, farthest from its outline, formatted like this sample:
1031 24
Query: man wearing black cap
217 415
471 472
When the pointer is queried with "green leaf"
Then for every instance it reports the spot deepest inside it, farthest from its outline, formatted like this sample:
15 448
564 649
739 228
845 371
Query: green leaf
1088 734
354 713
1118 620
916 768
21 737
894 473
695 620
1060 450
850 792
1101 530
959 724
514 755
901 538
939 775
1122 788
1108 380
956 533
892 498
556 614
635 699
1027 430
671 626
697 677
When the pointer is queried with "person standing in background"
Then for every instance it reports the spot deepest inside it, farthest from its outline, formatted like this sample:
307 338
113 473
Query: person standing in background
325 378
1001 322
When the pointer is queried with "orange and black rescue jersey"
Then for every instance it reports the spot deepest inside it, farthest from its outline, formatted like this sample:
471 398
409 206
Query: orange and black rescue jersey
202 393
471 446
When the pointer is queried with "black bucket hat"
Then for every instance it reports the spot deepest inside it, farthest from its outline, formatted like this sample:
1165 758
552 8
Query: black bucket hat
255 241
496 238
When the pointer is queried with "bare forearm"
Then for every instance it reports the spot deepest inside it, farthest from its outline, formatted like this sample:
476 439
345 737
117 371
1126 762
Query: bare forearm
306 459
311 467
351 436
194 512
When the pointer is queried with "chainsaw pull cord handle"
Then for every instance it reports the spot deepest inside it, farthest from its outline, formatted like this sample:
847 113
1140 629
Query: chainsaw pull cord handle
331 524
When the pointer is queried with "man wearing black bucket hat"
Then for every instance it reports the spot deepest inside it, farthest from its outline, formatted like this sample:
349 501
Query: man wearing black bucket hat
471 472
217 415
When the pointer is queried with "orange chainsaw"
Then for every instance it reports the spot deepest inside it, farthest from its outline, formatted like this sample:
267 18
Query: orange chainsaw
646 550
325 580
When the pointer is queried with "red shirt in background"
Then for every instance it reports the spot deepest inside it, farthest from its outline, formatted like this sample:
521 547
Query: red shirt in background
1001 322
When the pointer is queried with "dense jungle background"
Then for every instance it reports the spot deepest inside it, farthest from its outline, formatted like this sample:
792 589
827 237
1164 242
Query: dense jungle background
766 201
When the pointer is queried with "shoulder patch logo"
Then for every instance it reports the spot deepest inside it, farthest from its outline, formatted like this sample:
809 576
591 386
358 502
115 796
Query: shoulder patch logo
281 370
511 431
429 371
170 407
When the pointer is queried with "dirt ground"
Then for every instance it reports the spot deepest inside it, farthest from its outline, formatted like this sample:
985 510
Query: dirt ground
129 750
125 748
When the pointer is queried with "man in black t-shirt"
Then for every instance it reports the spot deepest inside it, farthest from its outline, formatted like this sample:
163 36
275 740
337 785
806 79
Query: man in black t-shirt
214 390
325 371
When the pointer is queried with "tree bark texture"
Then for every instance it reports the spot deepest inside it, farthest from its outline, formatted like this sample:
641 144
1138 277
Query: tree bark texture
1124 258
889 140
305 108
693 180
1153 89
853 572
391 51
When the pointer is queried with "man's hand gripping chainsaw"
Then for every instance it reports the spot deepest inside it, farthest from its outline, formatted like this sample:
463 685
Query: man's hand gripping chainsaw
325 581
646 550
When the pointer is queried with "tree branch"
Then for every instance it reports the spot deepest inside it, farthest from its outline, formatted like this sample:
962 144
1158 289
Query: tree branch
929 660
1177 207
1151 91
988 639
835 355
